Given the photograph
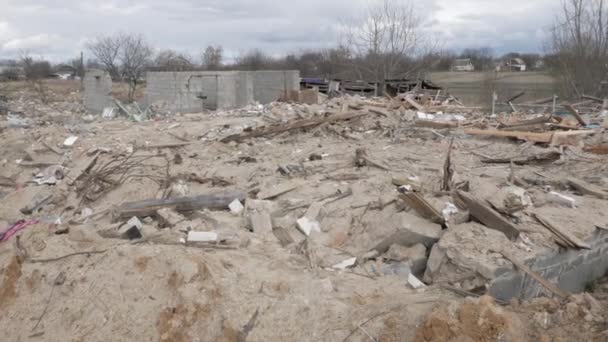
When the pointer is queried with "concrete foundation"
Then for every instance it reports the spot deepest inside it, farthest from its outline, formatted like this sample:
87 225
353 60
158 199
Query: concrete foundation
198 90
571 270
97 90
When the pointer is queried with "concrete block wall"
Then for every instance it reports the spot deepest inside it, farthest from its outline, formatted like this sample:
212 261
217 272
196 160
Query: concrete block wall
223 89
181 91
270 85
570 269
97 90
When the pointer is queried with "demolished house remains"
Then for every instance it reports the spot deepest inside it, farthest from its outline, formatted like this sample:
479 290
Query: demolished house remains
233 207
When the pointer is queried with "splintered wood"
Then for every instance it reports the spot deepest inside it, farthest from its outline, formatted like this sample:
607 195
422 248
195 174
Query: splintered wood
488 216
301 124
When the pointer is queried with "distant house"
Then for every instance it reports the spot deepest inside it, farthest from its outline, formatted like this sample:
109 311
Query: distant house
516 64
64 72
463 65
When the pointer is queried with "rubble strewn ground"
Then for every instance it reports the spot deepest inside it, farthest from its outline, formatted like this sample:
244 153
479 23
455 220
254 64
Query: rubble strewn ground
327 245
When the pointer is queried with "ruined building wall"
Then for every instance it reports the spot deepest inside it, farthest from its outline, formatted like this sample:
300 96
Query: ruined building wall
182 91
97 90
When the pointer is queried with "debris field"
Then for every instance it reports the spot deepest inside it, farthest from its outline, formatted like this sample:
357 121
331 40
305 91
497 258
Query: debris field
349 219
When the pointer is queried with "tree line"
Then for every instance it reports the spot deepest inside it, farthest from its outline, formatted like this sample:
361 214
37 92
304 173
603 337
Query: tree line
388 41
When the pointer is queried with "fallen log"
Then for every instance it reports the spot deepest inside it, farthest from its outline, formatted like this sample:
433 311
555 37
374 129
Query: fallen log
217 201
300 124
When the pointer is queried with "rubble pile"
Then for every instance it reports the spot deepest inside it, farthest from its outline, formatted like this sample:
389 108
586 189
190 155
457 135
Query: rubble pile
248 223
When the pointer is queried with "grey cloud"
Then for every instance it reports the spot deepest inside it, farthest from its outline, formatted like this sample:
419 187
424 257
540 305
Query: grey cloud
276 26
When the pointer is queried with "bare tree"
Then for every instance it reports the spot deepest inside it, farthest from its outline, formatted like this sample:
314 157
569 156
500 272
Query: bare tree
212 57
386 39
253 60
124 56
580 46
107 50
135 57
170 60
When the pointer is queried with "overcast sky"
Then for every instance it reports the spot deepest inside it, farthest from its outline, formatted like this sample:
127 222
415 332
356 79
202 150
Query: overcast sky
58 29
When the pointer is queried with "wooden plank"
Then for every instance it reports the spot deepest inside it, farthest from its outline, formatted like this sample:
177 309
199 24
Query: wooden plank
516 97
283 236
539 120
562 233
413 103
592 98
436 124
488 216
597 149
587 189
538 158
300 124
544 282
276 191
52 148
575 113
217 201
530 136
570 138
422 207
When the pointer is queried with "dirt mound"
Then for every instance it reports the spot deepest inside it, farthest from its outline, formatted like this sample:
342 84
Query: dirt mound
478 321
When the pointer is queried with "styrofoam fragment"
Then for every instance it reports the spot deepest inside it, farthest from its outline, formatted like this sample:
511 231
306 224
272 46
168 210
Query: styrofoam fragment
236 207
307 226
69 142
345 264
202 236
415 282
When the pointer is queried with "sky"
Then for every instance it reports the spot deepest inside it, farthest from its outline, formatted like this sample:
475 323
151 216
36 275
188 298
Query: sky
59 29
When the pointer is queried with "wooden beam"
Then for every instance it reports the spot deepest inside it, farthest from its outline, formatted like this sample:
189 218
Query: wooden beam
300 124
516 97
587 189
217 201
544 137
575 113
413 103
597 149
562 234
422 207
436 124
488 216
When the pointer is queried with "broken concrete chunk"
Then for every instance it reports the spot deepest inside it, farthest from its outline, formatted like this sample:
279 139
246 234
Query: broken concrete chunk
468 251
131 230
409 230
261 222
236 207
414 256
307 226
170 217
516 197
202 236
